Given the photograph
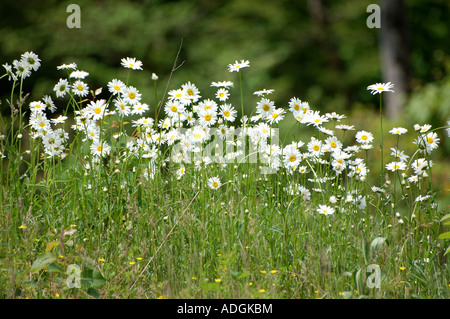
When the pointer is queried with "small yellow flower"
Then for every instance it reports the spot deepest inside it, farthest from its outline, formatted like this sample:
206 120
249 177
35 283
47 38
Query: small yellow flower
262 290
402 268
194 278
316 291
138 258
61 256
161 297
246 247
219 255
57 295
250 283
341 293
263 271
218 280
402 281
73 225
131 262
23 227
101 260
273 271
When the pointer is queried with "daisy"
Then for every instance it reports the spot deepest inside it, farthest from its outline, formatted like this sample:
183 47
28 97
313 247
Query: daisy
345 127
399 154
228 112
173 108
131 95
143 122
237 66
224 84
264 92
140 108
413 179
49 103
207 118
398 131
67 66
334 116
222 94
431 141
22 68
37 106
131 63
207 105
61 88
422 128
96 110
333 144
315 147
394 166
59 120
116 86
9 72
80 88
78 74
364 137
180 172
100 148
314 118
31 60
122 108
291 156
380 87
265 107
192 92
177 94
276 116
214 183
325 210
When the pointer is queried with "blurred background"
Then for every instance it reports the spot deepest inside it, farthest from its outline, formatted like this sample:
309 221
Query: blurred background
320 51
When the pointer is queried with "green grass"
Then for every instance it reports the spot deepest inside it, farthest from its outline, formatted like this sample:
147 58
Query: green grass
164 237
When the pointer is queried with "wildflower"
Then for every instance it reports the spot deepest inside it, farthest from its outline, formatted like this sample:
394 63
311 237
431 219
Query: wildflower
237 66
67 66
116 86
214 183
314 118
325 210
96 109
31 60
61 88
291 156
131 95
23 227
422 128
333 144
140 108
413 179
334 116
100 148
394 166
225 84
296 105
173 108
380 88
9 72
80 88
399 154
345 127
222 94
191 92
131 63
228 112
265 107
207 118
276 116
78 74
364 137
22 68
123 109
49 103
37 106
263 92
217 280
180 172
398 131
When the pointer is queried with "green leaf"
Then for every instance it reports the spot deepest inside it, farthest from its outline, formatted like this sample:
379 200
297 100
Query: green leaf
445 235
92 278
55 267
42 261
447 251
445 217
93 292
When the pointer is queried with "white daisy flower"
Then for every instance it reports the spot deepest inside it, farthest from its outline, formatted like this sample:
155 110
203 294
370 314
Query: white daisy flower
380 88
131 63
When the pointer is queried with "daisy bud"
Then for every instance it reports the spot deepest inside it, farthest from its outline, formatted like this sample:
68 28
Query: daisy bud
416 127
154 77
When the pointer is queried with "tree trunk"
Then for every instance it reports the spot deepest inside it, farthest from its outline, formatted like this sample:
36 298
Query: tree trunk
394 50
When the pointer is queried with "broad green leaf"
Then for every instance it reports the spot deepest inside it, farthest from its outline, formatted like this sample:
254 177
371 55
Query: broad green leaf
93 292
447 251
42 261
55 267
445 217
445 235
92 278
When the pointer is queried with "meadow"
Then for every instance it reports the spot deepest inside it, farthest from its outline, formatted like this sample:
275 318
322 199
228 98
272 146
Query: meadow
100 200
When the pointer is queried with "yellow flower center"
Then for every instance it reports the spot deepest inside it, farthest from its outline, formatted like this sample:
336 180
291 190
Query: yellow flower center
190 92
215 184
266 107
80 88
264 130
131 95
97 110
226 113
274 115
116 87
99 148
197 136
122 106
208 117
42 124
296 107
364 137
173 108
292 158
430 140
317 120
333 144
223 131
316 147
